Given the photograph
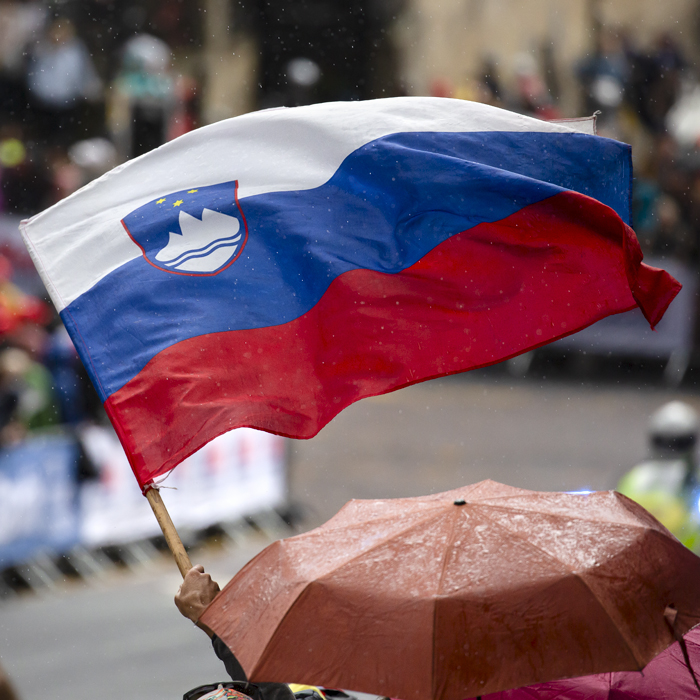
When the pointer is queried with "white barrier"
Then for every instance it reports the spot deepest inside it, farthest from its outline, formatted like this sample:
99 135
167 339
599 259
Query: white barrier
237 474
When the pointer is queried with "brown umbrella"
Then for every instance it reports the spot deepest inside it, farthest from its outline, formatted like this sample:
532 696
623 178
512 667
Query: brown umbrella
462 593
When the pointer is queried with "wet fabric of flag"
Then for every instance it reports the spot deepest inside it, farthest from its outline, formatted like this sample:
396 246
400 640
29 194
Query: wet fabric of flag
269 270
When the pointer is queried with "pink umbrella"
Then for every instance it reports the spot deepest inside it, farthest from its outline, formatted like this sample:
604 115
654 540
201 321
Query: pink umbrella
666 677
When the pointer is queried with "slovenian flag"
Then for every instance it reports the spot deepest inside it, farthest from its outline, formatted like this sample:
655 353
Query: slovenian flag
269 270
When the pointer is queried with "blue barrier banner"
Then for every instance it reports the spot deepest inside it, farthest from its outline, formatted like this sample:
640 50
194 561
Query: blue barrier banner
629 333
38 499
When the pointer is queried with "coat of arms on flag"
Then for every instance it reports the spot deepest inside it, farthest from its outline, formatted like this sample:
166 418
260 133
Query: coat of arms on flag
199 231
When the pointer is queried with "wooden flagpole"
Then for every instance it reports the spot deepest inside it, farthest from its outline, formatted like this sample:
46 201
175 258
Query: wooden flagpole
166 525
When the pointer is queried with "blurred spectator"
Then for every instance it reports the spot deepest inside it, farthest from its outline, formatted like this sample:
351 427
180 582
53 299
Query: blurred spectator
64 175
64 364
187 107
683 117
666 483
532 95
485 88
303 77
94 157
655 81
665 168
488 77
604 77
693 207
60 77
670 237
25 185
19 22
16 307
441 87
550 70
143 96
25 395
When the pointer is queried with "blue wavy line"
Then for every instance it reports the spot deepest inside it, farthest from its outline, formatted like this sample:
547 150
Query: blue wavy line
203 249
203 255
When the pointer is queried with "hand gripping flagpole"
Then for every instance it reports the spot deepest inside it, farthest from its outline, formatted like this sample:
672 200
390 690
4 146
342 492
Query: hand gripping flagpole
152 493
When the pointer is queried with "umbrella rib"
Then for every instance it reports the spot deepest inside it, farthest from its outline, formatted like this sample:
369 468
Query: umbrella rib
263 655
378 519
578 576
561 516
447 550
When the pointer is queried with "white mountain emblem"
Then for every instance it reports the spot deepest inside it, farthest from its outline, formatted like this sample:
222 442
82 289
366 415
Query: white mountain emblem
203 246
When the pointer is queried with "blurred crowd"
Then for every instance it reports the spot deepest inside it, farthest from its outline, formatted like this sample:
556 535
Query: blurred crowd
75 100
87 85
63 121
647 97
43 384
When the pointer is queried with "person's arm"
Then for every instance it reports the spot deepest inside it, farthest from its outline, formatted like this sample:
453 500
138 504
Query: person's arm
194 595
231 663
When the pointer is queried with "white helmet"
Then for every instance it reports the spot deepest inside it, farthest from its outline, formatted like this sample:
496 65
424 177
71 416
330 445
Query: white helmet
674 427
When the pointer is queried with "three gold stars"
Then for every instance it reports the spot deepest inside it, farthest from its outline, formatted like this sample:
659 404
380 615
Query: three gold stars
178 202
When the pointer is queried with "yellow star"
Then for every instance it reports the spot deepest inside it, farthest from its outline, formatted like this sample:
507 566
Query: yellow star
161 200
192 191
178 203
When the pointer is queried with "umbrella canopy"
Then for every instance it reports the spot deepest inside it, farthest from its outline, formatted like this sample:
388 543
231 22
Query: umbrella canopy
667 677
459 594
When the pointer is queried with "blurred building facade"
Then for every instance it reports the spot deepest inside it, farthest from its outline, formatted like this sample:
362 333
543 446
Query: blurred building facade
268 53
451 40
242 53
372 48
